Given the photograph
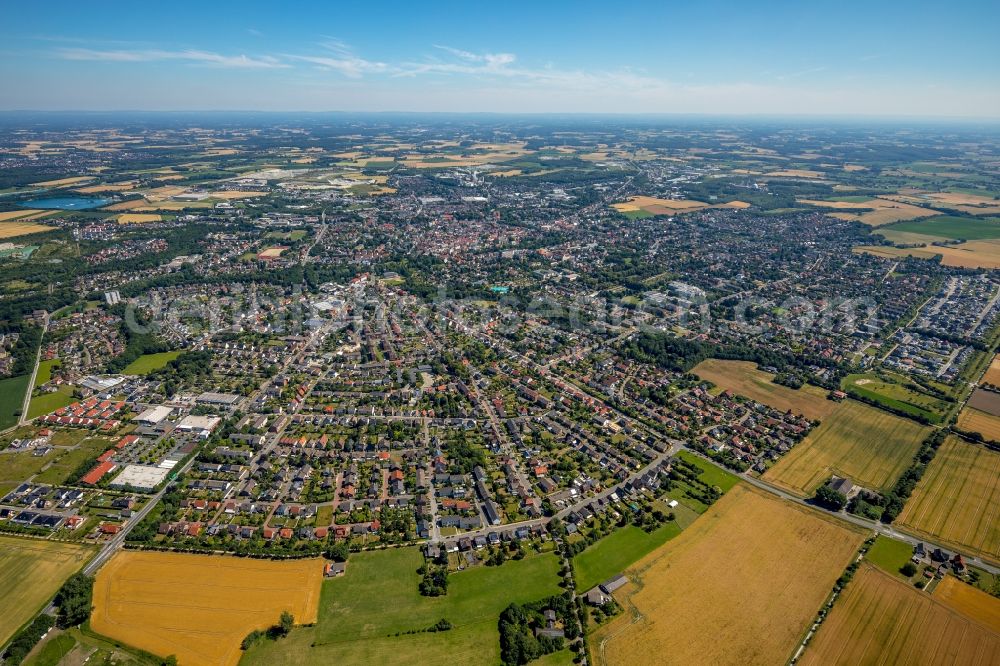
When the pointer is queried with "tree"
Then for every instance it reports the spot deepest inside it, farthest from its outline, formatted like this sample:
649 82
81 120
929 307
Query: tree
830 498
286 623
339 551
74 600
908 569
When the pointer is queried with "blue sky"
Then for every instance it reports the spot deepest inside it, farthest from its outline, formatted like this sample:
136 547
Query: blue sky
805 57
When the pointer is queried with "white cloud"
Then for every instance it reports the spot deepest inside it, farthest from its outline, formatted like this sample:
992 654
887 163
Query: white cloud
189 55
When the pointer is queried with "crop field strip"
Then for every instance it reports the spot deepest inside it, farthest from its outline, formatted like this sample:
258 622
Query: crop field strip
969 601
878 619
958 499
973 420
31 571
721 573
199 607
865 444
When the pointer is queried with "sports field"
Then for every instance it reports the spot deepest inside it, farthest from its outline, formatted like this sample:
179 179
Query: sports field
31 572
148 363
880 620
361 613
969 601
743 378
869 446
957 502
199 607
741 585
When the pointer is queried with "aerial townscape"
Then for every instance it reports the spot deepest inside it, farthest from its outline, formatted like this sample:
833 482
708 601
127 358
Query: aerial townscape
323 381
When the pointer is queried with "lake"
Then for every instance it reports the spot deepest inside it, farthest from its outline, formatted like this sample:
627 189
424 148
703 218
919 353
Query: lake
66 203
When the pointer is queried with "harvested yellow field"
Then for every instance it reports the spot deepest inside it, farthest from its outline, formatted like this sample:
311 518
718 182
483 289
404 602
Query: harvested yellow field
743 378
506 174
200 607
18 214
889 252
658 206
63 181
740 585
138 218
869 446
881 620
971 254
796 173
21 228
31 571
883 211
957 502
107 187
854 167
992 374
127 205
973 420
733 204
971 602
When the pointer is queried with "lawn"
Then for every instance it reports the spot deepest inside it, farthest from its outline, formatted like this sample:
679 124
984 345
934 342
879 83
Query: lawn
377 598
52 650
148 363
888 554
869 446
947 226
63 463
618 551
31 571
45 371
711 474
12 399
957 502
49 402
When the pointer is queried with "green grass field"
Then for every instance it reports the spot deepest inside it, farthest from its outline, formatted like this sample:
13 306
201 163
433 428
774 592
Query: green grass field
64 463
52 651
863 443
45 371
377 598
148 363
618 551
49 402
17 467
889 554
626 546
31 571
947 226
711 474
896 396
81 645
12 399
